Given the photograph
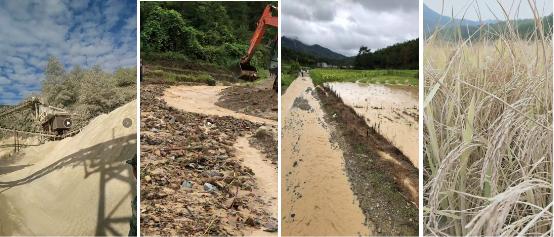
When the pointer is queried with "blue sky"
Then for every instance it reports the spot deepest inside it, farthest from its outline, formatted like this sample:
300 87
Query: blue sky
472 8
78 32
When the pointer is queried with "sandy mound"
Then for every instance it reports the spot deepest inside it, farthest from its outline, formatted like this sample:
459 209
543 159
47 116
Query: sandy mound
77 186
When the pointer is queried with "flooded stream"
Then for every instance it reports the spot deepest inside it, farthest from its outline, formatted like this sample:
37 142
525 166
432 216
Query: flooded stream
266 178
316 197
391 110
202 100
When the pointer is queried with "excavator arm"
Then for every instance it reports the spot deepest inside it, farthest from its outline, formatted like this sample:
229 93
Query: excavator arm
266 20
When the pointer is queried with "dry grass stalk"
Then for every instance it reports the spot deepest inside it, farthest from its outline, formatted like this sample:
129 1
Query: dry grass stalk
488 133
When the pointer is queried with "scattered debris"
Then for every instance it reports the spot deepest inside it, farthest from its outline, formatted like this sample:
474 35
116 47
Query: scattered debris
181 149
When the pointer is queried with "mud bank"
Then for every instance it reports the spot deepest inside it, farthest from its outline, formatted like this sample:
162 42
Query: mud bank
390 110
251 100
316 194
383 179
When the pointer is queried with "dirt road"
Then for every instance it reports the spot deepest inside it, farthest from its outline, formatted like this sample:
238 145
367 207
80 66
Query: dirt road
317 198
77 186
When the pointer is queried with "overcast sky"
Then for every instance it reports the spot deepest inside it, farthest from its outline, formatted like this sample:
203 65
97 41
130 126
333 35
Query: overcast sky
78 32
472 8
345 25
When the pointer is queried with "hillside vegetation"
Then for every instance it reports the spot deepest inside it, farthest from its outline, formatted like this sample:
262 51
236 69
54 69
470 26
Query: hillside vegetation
217 33
84 92
403 55
453 29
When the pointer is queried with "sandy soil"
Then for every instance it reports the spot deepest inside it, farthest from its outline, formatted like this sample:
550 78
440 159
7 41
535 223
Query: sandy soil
317 198
391 110
203 99
76 186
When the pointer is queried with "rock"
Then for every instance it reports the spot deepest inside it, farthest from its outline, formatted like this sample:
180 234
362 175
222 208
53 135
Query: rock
157 171
147 178
271 226
250 221
186 184
263 131
212 173
208 187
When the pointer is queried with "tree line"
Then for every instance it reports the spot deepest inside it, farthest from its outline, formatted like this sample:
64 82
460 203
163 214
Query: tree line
403 55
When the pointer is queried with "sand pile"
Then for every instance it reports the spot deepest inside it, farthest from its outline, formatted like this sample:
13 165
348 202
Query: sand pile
76 186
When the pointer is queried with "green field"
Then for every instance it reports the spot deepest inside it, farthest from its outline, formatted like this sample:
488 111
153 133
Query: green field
286 79
390 77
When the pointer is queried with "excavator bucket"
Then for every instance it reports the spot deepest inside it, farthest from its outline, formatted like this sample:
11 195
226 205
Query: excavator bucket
248 72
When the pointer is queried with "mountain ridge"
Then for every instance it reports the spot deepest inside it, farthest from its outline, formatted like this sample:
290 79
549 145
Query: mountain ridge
315 50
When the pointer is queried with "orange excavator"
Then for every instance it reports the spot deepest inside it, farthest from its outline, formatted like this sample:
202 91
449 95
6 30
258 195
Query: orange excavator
249 72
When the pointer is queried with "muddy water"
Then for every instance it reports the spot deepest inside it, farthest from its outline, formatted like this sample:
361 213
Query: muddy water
202 99
266 178
316 194
390 110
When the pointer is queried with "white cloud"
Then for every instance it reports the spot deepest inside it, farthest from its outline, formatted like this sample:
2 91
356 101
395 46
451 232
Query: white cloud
344 26
78 32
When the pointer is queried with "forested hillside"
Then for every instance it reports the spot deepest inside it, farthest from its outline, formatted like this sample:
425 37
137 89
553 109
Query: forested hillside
523 29
315 50
309 55
398 56
452 29
213 32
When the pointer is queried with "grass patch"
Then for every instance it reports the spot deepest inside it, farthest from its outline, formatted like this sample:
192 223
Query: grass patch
286 79
289 72
390 77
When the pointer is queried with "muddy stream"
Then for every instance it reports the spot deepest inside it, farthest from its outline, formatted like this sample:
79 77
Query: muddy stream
202 99
317 198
